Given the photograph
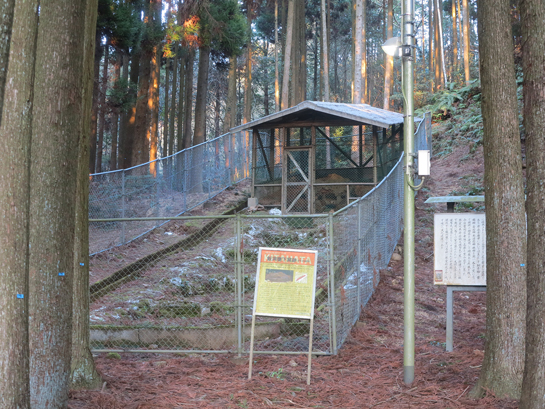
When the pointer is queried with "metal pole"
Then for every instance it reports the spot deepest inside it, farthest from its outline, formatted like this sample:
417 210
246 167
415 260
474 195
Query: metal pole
238 262
375 155
408 132
359 255
123 206
333 313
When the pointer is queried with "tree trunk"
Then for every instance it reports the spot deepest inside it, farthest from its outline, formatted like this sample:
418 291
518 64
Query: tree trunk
55 137
231 105
83 372
102 118
460 32
325 65
533 60
15 136
217 112
276 68
166 138
202 91
188 108
431 43
6 11
94 115
388 59
316 75
130 128
441 48
172 118
153 105
436 48
248 81
423 24
287 56
299 70
182 102
200 118
454 64
503 362
358 54
465 8
325 51
266 84
140 147
115 116
124 114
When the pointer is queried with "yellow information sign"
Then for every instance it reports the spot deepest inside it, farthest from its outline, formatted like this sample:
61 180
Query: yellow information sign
285 283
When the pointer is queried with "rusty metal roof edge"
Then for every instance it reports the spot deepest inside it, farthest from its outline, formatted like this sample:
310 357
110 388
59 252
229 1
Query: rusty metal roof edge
375 116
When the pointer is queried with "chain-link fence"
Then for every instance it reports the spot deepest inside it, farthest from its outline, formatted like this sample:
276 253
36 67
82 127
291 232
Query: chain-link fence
166 187
197 294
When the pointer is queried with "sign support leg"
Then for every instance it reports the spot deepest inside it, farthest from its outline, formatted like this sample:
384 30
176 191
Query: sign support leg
251 348
310 349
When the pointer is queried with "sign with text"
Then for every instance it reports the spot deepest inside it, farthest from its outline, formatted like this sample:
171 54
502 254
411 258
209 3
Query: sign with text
460 249
285 283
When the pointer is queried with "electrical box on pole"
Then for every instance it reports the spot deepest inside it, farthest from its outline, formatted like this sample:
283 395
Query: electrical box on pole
424 163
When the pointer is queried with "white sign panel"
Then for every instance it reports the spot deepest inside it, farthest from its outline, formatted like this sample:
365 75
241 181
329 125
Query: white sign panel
460 249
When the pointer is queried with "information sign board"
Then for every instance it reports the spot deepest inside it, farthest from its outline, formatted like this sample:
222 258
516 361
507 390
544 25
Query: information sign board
285 283
460 249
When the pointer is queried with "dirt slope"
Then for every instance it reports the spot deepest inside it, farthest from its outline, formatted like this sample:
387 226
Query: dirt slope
367 372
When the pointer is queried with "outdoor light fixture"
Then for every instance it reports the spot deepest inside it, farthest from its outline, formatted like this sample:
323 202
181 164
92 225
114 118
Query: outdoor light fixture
392 47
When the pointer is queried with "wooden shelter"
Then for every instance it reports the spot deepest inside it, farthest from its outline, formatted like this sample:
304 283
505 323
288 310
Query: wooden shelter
317 157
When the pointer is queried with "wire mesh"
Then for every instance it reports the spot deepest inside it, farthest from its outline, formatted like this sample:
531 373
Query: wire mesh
196 293
309 233
166 187
297 194
364 236
182 297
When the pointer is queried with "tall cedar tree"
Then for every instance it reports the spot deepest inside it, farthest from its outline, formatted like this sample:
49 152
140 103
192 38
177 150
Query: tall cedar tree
6 21
533 59
83 373
56 127
15 136
284 103
503 362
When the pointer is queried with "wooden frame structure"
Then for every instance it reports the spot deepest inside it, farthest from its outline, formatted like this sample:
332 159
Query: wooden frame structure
318 157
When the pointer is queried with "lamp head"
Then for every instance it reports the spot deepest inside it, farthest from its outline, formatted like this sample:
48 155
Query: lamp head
392 47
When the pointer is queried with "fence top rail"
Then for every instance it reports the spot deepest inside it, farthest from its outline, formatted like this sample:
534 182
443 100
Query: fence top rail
159 159
230 216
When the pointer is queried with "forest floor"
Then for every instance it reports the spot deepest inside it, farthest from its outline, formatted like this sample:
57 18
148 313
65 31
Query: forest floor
368 370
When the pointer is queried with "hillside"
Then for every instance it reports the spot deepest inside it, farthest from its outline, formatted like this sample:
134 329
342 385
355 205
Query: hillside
368 370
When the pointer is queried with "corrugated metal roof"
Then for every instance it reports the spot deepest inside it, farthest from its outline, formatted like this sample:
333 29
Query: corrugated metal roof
320 113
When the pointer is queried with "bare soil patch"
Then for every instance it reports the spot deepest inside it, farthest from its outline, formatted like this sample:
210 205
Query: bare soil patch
367 372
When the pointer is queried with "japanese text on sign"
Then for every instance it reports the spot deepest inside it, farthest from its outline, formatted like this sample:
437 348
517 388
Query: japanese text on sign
460 249
285 283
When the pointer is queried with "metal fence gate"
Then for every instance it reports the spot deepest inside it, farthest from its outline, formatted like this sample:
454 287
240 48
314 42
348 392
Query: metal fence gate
296 181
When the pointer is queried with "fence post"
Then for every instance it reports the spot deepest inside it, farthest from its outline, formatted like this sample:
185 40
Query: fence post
359 256
184 185
238 274
123 206
230 159
210 175
157 194
333 313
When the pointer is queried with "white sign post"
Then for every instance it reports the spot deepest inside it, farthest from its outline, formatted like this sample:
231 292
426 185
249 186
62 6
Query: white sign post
460 257
285 286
